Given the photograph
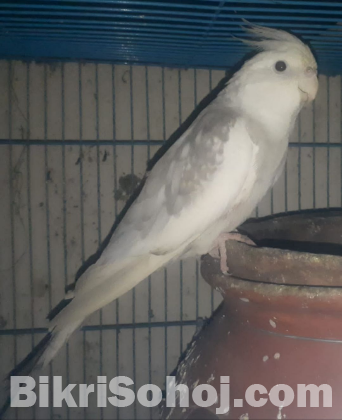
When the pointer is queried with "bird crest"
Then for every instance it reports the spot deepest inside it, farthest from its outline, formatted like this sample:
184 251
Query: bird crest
270 39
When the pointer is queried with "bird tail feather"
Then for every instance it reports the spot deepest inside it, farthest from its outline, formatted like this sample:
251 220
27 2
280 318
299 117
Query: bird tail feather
100 287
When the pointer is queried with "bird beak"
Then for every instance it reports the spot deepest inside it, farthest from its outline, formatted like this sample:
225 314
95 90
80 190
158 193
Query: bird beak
308 85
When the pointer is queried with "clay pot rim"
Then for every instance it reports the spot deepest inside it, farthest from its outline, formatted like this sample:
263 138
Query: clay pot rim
226 283
276 289
307 231
319 213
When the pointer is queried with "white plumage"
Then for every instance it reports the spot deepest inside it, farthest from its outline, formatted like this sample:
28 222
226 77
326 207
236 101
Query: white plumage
207 183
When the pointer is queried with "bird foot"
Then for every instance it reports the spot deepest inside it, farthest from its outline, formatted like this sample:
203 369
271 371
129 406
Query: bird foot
219 249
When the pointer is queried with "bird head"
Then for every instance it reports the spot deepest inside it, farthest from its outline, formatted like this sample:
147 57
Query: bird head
279 80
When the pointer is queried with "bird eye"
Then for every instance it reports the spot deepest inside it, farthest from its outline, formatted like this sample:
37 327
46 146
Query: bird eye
280 66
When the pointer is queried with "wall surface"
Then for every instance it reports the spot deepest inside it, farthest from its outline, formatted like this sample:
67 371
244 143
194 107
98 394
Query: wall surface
62 182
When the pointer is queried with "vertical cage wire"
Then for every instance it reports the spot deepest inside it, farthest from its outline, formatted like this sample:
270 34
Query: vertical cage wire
165 310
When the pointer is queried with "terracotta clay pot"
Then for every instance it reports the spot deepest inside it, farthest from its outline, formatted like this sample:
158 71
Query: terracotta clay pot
280 321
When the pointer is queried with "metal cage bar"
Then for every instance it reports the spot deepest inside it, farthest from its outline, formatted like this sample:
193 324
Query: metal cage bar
198 33
86 127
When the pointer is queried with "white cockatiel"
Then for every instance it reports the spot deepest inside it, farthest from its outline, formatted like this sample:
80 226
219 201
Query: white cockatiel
207 183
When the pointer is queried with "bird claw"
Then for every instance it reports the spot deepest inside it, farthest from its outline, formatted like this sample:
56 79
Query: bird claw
219 249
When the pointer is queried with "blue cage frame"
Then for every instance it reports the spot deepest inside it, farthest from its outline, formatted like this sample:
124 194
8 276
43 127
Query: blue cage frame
175 33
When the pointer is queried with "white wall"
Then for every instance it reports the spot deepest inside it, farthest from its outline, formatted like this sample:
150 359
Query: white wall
62 200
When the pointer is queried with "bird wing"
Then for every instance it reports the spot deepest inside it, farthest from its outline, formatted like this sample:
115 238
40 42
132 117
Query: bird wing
188 188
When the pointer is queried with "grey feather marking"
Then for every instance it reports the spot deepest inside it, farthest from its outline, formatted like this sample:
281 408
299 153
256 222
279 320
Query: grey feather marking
198 157
178 177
